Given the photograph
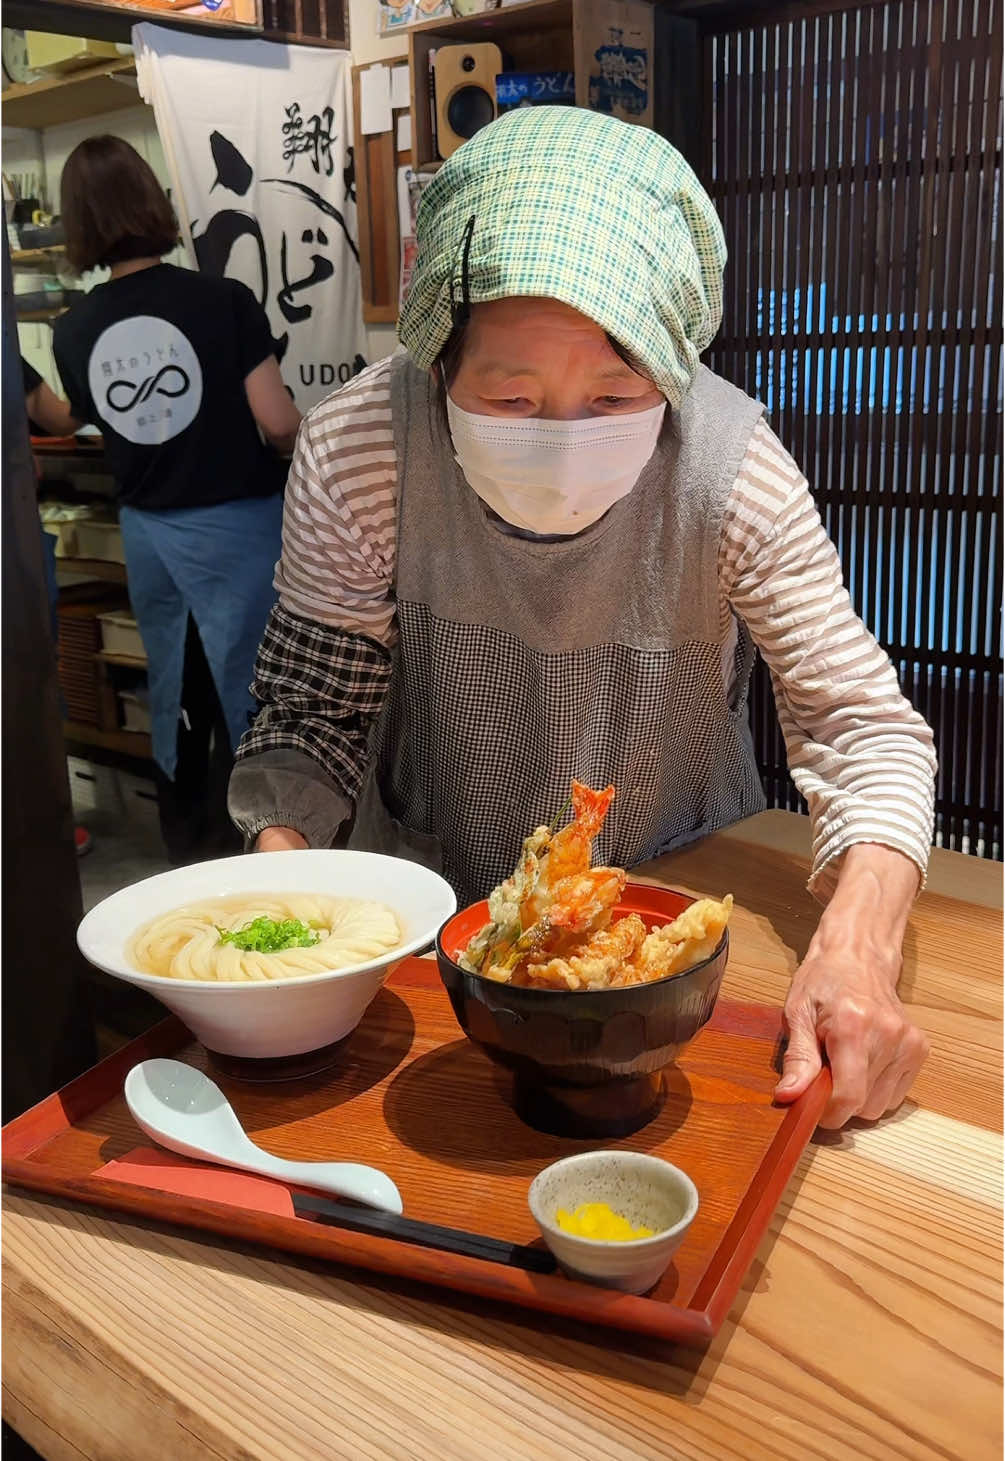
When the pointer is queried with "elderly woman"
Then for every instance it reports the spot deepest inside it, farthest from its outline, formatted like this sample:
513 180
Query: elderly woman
544 543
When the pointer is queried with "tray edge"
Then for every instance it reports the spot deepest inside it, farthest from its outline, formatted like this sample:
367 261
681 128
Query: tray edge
695 1323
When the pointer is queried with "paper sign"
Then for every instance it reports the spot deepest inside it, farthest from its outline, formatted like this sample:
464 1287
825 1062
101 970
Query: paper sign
405 132
400 96
375 99
613 46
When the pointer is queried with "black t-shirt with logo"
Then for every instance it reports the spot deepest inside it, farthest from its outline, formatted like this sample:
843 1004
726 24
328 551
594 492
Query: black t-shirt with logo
157 361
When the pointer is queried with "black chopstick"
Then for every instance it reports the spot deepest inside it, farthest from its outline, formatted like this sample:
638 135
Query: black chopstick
426 1235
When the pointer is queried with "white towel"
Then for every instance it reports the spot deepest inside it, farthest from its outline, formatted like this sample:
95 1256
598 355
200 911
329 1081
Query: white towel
258 142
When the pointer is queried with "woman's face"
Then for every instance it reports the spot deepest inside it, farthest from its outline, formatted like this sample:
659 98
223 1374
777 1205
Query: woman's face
536 357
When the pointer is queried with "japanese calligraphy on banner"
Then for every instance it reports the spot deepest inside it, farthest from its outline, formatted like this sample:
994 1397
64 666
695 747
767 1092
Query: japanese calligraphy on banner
258 142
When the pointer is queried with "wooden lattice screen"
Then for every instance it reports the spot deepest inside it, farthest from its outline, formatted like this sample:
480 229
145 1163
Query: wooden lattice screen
855 161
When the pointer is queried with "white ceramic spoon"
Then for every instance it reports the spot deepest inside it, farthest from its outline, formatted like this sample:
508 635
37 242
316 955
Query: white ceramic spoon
183 1110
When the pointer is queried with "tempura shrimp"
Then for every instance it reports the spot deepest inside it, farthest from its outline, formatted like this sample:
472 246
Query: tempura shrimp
583 905
553 922
594 963
569 852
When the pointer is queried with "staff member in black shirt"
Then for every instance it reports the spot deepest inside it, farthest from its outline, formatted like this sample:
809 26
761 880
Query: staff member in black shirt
178 371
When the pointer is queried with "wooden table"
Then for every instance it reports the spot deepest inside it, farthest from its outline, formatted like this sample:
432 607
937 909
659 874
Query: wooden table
869 1325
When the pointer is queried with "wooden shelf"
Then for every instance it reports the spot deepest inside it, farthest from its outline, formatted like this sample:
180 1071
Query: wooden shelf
536 14
62 446
534 36
84 93
93 568
37 256
128 661
39 316
123 742
104 21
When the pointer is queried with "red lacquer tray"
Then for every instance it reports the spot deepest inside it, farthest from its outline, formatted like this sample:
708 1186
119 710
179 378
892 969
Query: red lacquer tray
412 1096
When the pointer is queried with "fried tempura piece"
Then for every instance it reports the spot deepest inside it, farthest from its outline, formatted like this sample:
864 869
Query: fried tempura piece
693 935
490 945
548 876
594 964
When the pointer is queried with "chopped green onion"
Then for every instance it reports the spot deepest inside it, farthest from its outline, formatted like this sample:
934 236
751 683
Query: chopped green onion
266 936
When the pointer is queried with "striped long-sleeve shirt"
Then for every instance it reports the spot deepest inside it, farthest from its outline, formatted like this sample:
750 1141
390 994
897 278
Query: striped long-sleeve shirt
858 752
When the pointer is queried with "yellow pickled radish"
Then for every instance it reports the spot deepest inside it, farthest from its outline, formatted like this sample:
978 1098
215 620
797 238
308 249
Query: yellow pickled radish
599 1221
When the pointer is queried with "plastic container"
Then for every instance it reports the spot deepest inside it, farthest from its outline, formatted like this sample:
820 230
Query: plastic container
120 635
135 715
102 541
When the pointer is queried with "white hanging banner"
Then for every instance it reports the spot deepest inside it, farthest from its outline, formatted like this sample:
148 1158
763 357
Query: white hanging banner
258 142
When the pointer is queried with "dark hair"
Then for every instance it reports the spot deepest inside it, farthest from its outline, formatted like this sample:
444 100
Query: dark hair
112 205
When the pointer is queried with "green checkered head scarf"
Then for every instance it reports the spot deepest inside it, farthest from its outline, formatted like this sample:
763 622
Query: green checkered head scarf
567 204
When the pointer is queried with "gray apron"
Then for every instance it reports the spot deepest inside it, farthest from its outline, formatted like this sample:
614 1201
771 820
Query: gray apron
523 663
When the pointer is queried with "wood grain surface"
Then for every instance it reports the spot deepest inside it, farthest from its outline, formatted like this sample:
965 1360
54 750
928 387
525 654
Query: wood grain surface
869 1324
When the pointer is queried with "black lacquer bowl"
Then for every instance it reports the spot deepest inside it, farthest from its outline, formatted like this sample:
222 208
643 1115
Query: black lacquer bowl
589 1063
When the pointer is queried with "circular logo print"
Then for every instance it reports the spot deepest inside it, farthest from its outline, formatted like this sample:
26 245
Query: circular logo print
145 380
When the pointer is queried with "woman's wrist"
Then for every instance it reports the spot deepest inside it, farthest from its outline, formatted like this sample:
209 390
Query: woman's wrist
868 913
280 839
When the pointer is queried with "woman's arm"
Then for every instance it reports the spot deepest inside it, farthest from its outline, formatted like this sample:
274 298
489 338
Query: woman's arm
272 405
324 663
844 993
864 760
300 767
50 411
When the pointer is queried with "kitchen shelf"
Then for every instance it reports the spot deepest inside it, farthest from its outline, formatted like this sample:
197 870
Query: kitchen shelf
86 447
544 14
37 256
85 93
39 316
93 568
113 20
123 742
128 661
535 35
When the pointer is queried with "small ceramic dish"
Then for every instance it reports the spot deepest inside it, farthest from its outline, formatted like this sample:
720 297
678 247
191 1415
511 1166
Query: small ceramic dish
646 1190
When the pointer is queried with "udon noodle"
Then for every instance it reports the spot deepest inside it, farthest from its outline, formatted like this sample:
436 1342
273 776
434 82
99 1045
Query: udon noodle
187 944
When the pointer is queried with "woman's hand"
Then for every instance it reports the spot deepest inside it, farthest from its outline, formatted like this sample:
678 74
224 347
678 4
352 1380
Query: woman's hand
279 839
843 1001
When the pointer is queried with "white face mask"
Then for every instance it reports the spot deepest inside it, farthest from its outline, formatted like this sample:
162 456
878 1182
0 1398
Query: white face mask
553 477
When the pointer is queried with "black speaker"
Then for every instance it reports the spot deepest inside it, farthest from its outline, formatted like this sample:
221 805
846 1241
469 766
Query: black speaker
465 80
